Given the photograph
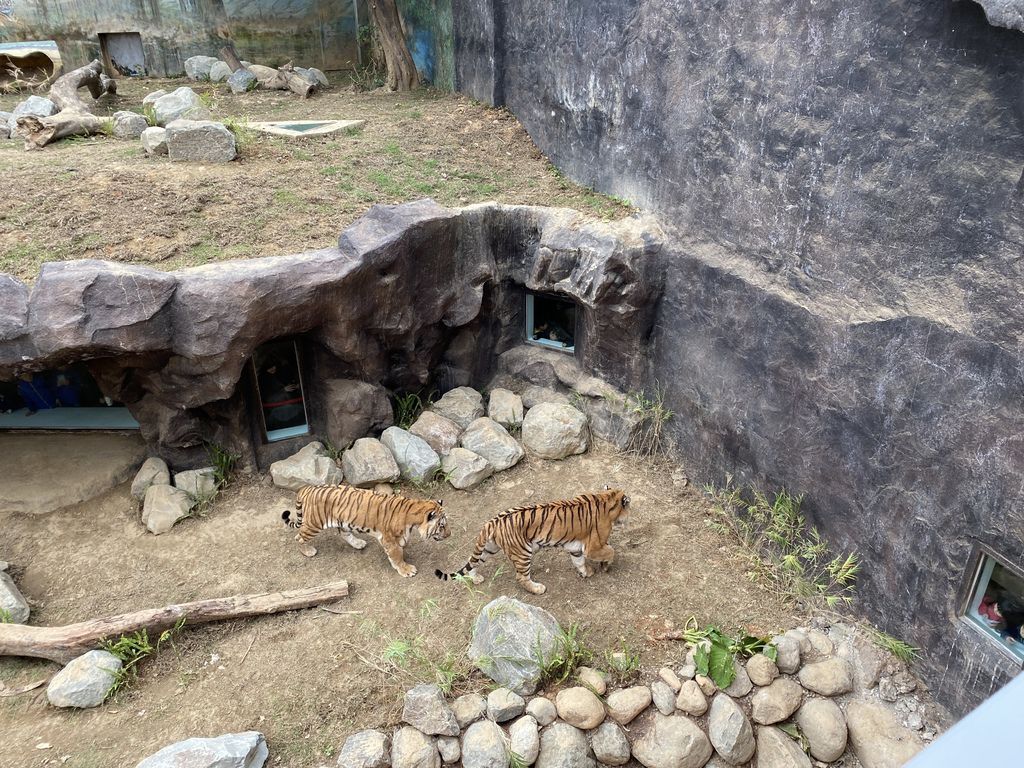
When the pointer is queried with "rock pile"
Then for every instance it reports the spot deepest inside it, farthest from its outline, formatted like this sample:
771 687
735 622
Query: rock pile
212 69
164 504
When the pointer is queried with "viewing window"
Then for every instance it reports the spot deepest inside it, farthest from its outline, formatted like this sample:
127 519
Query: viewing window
997 604
279 387
551 322
64 398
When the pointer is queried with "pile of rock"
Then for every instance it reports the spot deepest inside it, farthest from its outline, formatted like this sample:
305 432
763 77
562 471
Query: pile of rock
163 504
457 437
249 77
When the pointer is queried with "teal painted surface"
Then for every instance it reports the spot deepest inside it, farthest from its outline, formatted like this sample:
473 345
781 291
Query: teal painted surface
430 38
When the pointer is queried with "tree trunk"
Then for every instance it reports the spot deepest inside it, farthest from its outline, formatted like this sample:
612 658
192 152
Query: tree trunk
230 57
402 75
74 118
62 644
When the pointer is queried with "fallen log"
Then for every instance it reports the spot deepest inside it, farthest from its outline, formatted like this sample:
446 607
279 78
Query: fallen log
74 117
62 644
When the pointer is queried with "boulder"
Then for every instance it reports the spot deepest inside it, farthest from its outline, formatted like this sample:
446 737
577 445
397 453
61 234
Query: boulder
592 679
788 654
233 750
411 748
440 433
670 678
489 439
740 685
670 742
776 750
562 746
35 106
243 81
366 749
352 409
84 681
580 707
426 710
416 460
553 431
197 483
511 641
469 708
878 740
450 749
153 471
13 605
626 703
462 405
821 644
219 72
465 469
199 141
129 125
154 140
730 732
312 75
663 696
163 506
181 103
152 96
308 466
830 677
264 74
533 396
199 67
542 710
761 670
707 685
503 704
691 699
368 462
610 745
524 739
823 725
484 746
505 407
776 702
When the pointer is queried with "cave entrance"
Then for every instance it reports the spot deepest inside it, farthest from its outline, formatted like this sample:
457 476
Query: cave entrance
279 388
122 54
63 398
551 322
997 604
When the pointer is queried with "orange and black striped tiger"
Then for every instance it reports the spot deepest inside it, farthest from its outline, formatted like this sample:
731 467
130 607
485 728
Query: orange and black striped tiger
390 519
580 525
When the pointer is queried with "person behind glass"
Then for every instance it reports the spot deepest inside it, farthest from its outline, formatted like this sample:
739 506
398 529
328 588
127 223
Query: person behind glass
35 393
282 400
67 388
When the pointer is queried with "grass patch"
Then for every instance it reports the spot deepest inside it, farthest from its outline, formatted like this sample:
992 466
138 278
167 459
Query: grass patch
902 650
651 416
569 653
409 406
622 663
132 650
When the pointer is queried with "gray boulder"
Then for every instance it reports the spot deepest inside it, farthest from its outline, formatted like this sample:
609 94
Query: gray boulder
450 749
511 641
626 703
486 437
219 72
163 506
243 81
198 67
534 396
366 749
553 431
416 460
440 433
505 407
84 681
691 699
313 75
823 725
369 462
181 103
484 746
200 141
580 707
562 746
36 106
524 739
776 702
740 685
6 128
730 732
878 740
542 710
353 409
309 466
462 405
129 125
610 745
828 678
154 140
776 750
152 96
233 750
12 603
670 742
761 670
426 710
663 696
411 748
197 483
788 656
465 469
469 708
152 472
503 704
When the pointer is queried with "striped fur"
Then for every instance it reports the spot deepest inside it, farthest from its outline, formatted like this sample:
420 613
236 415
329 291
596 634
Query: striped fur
390 519
580 525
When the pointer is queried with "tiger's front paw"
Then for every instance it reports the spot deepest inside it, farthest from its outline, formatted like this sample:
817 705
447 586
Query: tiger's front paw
605 566
407 570
586 572
308 550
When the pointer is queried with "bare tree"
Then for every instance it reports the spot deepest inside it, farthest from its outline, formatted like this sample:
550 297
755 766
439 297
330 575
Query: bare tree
402 75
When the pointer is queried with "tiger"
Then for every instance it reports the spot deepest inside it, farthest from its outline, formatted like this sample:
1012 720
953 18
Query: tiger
580 526
390 519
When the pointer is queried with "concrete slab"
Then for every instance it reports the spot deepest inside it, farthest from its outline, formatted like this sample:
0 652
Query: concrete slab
42 473
296 129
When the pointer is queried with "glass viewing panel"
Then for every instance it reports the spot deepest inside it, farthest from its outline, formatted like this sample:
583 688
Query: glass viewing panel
63 398
997 605
551 322
279 385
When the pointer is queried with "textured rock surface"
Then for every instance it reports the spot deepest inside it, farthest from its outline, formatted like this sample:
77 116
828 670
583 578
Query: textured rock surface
626 703
610 745
154 140
788 656
824 726
12 601
450 749
691 699
829 677
469 708
153 471
562 746
243 81
232 750
369 462
484 746
580 707
776 702
508 638
416 460
729 731
777 750
524 739
180 104
84 681
197 483
670 742
198 67
592 679
741 684
163 506
543 710
440 433
366 749
219 72
761 670
878 740
426 709
505 407
199 141
503 705
1004 13
663 696
351 409
308 466
36 106
129 125
553 431
463 405
465 469
411 748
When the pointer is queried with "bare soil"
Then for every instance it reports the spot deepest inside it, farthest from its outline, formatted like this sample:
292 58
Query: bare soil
308 679
102 198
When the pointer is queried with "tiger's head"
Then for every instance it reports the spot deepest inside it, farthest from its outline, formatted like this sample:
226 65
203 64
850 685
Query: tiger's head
618 505
435 524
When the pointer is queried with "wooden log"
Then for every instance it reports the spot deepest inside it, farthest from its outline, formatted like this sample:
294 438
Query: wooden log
227 53
74 117
64 91
288 79
62 644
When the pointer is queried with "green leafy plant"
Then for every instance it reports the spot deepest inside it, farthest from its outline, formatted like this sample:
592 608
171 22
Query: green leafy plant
785 552
132 649
715 652
408 408
902 650
622 663
245 136
650 415
6 617
149 112
515 760
223 462
569 653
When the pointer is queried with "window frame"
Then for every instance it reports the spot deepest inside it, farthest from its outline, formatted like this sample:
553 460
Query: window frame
287 433
984 562
547 343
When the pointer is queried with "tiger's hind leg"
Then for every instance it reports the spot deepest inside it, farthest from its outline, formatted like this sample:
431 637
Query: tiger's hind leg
305 535
523 563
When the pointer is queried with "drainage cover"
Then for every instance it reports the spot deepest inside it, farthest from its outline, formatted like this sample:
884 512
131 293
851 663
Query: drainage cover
294 129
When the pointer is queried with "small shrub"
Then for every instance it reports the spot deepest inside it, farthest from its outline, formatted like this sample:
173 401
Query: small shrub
902 650
569 653
245 136
623 663
132 649
409 406
652 415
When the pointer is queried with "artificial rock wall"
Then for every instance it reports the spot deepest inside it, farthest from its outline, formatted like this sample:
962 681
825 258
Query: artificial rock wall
842 309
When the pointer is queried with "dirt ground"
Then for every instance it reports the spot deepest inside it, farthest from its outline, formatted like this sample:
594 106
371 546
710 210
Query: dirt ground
308 679
101 198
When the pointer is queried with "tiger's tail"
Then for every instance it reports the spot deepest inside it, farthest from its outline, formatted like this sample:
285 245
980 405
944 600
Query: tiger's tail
485 547
287 516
